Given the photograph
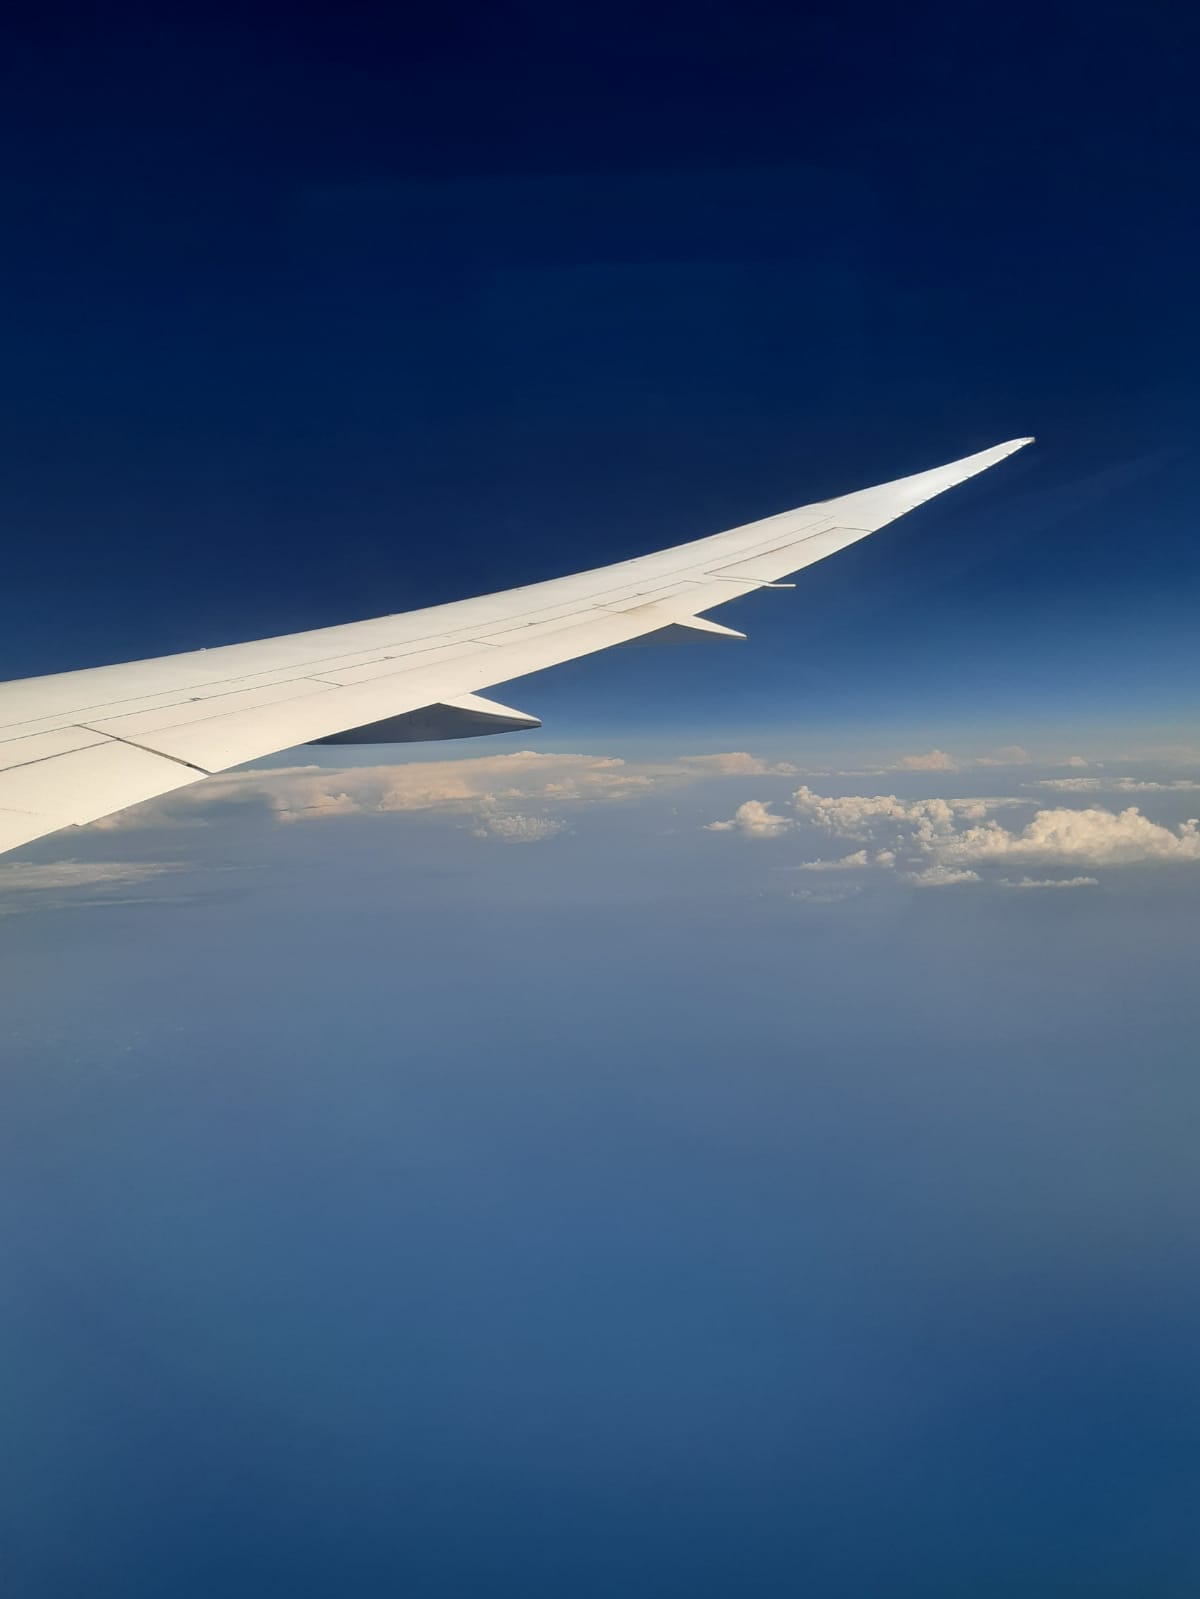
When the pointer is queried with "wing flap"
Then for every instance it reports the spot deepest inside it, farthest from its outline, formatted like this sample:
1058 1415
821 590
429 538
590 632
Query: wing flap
82 786
469 716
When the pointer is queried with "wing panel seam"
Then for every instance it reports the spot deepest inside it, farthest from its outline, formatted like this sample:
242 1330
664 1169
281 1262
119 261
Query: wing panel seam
146 750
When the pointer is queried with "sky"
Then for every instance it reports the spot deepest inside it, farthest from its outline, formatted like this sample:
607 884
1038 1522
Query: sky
739 1137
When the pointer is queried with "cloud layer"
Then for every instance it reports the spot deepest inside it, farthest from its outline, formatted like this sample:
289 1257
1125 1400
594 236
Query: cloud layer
28 876
528 797
486 788
29 885
516 797
939 842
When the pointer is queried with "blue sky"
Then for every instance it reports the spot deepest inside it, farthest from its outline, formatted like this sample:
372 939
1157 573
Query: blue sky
289 341
740 1138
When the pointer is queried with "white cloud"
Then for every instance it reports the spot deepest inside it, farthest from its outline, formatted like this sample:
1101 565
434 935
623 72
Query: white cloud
934 761
940 760
513 827
55 885
1117 785
735 763
858 861
1049 882
480 787
525 796
941 877
861 817
1090 837
752 819
1008 755
28 876
940 841
294 794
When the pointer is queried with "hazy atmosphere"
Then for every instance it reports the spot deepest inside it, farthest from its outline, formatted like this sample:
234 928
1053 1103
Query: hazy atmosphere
561 1144
739 1138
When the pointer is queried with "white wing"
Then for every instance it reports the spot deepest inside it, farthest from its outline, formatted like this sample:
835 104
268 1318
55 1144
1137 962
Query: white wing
80 745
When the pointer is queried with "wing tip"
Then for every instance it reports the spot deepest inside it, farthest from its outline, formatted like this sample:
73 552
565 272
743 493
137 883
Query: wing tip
980 461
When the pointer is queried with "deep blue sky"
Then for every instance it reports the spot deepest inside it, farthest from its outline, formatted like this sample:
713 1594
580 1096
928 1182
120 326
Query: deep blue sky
389 1209
306 318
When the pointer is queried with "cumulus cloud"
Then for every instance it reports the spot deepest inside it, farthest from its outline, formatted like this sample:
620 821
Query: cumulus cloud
752 819
934 842
940 760
513 827
736 763
1091 837
936 760
932 827
861 817
525 796
859 860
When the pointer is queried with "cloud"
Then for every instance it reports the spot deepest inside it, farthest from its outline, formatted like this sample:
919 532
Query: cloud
484 785
934 761
481 787
1049 882
939 841
939 761
55 885
931 828
1074 760
735 764
860 817
753 820
941 877
516 828
1117 785
524 796
29 876
1090 837
1008 755
858 861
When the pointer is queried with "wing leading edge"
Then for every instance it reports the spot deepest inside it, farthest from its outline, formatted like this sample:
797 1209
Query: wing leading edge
77 746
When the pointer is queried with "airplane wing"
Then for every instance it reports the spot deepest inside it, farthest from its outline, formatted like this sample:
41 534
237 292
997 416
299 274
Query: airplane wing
80 745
